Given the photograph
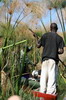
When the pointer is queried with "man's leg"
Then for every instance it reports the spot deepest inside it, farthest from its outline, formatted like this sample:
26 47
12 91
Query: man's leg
43 79
51 86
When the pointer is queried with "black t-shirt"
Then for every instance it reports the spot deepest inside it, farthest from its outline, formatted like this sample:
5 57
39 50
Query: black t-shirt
51 42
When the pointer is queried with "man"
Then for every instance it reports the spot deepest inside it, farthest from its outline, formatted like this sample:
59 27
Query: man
52 45
14 97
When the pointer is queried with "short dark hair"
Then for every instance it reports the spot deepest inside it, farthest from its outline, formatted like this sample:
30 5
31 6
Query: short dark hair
53 26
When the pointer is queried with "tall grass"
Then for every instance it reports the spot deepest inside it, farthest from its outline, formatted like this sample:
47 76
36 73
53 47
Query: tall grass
61 86
11 65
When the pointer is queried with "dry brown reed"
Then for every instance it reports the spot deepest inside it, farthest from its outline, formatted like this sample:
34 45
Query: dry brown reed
3 10
64 13
15 5
3 82
38 8
23 32
53 3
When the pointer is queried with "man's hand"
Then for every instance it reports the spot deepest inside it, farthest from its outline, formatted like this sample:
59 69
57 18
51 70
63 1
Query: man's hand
60 51
38 43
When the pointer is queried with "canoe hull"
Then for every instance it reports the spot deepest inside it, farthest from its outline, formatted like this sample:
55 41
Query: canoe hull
44 96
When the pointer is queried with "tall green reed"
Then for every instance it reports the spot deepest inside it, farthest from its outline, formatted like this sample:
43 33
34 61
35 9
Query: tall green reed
13 67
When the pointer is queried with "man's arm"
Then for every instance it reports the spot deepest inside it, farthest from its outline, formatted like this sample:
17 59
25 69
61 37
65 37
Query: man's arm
41 41
61 46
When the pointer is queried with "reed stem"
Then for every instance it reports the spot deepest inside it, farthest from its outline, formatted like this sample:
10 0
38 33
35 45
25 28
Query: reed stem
50 17
43 26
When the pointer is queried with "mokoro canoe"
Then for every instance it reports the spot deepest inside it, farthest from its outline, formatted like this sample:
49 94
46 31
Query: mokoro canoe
44 96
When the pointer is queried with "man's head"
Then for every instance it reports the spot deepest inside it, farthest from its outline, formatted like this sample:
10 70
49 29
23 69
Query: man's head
14 97
53 27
